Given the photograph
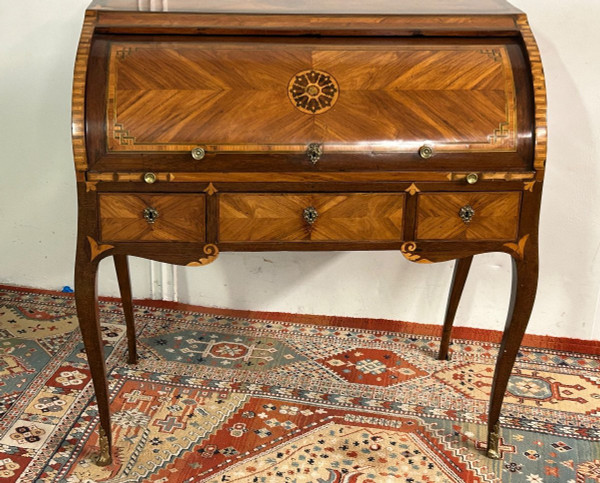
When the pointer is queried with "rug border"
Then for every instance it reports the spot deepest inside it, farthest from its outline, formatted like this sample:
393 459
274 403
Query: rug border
581 346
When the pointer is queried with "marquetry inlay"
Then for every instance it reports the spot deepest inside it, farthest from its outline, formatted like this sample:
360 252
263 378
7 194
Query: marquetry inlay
313 91
408 251
97 248
211 253
389 90
518 248
229 125
412 189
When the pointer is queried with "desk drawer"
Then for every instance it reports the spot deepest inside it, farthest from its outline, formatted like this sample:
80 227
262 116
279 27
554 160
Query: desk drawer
468 216
315 217
143 217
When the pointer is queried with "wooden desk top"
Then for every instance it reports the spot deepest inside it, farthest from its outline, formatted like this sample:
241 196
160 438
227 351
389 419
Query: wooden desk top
328 7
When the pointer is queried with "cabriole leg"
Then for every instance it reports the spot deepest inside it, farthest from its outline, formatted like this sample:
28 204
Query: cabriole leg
87 312
524 287
122 268
461 271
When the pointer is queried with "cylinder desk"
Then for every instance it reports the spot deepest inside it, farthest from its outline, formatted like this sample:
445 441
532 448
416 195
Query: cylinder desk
221 125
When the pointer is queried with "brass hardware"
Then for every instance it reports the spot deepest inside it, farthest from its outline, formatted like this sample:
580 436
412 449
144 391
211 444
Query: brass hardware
198 153
310 215
472 178
466 213
150 178
314 152
493 450
426 151
104 458
150 214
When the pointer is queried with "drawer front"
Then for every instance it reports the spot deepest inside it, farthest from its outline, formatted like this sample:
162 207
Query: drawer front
468 216
141 217
315 217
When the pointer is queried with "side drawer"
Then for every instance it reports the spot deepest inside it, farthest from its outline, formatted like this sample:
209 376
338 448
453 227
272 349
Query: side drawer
468 216
152 217
314 217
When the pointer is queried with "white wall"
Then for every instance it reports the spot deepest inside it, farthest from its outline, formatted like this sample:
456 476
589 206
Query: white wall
38 39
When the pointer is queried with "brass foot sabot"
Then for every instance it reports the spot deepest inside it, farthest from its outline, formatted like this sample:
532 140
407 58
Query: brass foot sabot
493 450
104 458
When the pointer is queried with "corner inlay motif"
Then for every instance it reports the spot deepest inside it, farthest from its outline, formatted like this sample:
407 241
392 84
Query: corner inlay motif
122 135
408 250
518 248
211 251
412 189
210 189
96 249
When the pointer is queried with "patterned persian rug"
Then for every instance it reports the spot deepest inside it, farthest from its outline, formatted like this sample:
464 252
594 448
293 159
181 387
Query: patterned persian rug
224 398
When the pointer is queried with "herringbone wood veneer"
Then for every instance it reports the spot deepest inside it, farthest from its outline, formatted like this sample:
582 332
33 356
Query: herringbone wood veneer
387 91
180 217
496 216
269 217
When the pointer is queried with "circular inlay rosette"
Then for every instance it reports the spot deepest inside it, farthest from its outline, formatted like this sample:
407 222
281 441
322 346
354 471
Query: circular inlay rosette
313 91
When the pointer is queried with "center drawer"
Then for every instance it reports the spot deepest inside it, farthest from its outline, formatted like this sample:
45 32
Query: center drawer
316 217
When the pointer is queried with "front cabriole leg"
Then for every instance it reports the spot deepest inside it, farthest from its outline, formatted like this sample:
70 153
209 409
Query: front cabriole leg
86 266
524 287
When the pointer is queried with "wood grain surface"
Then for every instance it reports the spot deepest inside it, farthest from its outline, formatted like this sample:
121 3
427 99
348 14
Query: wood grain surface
254 83
496 216
78 94
539 96
180 217
341 217
233 96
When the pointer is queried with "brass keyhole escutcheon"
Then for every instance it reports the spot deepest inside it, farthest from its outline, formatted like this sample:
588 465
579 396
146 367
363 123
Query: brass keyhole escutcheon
466 213
314 151
198 153
150 215
150 178
310 215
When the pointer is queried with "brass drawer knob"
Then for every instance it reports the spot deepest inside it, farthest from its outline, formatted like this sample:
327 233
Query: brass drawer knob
150 214
426 151
314 151
150 178
310 215
198 153
466 213
472 178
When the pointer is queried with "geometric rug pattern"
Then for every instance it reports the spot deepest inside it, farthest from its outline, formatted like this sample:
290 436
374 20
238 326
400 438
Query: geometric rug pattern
223 398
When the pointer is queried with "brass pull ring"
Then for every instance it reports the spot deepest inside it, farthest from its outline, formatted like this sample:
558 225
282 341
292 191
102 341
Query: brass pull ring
472 178
150 178
426 151
150 214
466 213
310 215
198 153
